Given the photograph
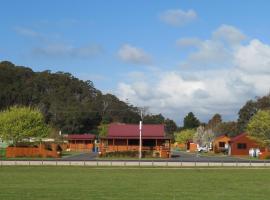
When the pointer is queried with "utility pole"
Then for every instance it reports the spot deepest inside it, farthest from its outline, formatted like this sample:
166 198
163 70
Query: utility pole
140 128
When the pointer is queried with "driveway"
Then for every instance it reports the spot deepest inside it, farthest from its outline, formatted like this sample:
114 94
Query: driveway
81 157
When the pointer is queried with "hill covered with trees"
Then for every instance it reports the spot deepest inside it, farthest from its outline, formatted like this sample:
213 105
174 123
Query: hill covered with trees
68 104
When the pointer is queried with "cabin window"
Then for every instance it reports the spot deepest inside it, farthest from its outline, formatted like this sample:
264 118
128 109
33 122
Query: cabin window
241 145
221 144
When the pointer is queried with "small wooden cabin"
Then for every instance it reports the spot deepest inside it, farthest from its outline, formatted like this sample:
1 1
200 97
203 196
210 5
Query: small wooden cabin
241 144
81 142
221 144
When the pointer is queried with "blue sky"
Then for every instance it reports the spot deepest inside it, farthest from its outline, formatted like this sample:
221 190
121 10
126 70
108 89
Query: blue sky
170 56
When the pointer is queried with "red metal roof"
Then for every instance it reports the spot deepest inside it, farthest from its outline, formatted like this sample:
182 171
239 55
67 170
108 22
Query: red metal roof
238 137
131 131
86 136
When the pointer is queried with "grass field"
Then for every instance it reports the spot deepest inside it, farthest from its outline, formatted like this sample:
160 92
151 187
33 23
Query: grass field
73 183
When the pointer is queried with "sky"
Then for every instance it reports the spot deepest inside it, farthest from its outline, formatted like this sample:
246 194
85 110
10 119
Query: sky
172 57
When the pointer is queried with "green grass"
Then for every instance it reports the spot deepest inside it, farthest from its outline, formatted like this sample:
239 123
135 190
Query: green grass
74 183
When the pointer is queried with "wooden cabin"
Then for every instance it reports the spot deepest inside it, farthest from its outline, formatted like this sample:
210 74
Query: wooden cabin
221 144
81 142
241 144
125 137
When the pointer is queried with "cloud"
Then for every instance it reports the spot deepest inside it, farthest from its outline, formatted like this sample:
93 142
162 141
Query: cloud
60 50
229 34
236 74
134 55
52 46
178 17
27 32
188 42
253 58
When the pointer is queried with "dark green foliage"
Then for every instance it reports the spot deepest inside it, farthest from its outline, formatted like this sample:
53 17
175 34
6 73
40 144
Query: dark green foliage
68 104
128 154
229 128
250 109
170 125
190 121
154 119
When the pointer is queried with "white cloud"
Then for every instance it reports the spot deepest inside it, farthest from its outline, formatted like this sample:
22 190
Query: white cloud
254 58
178 17
60 50
188 42
229 34
26 32
240 73
134 55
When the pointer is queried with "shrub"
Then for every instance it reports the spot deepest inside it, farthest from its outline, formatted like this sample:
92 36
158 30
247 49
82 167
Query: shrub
128 154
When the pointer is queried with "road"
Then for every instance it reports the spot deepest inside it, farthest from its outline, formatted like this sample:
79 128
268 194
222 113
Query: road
176 157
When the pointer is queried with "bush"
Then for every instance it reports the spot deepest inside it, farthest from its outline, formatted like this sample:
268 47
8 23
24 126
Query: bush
128 154
2 153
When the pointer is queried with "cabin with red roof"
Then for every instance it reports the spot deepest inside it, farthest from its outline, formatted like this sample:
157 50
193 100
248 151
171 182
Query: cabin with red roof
81 142
241 144
126 137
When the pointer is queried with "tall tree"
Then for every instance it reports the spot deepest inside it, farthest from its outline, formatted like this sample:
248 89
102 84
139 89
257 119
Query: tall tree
170 126
203 136
259 127
245 114
214 122
190 121
229 128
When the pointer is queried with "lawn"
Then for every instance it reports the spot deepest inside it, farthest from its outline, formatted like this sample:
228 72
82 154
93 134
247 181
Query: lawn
73 183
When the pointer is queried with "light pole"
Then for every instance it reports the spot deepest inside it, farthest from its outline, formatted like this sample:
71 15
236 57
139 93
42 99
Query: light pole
140 147
140 128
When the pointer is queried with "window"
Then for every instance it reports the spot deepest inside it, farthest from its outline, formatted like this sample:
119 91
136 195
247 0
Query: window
221 144
241 145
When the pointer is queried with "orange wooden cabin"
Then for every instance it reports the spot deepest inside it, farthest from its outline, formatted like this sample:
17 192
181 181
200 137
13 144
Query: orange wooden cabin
241 144
221 143
125 137
191 146
81 142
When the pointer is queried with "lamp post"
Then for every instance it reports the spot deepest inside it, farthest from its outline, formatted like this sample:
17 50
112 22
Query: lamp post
140 147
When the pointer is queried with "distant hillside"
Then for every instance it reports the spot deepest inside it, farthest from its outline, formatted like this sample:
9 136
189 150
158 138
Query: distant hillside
69 104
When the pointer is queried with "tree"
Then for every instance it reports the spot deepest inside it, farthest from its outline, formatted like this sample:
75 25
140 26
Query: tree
203 136
245 114
18 123
184 135
170 126
190 121
259 127
103 129
229 128
214 122
154 119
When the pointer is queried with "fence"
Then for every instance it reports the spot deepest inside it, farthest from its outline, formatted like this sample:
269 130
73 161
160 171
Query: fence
133 163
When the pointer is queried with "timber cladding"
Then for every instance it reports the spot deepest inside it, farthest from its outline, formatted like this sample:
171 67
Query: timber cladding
241 144
13 152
